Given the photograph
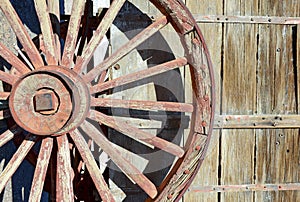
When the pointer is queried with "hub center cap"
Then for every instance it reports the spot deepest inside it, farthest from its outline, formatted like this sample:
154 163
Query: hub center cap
46 102
49 101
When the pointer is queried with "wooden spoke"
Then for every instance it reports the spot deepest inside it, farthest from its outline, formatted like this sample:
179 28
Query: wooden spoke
54 9
159 69
12 59
102 77
8 78
92 166
64 178
99 34
4 95
127 48
129 170
46 27
73 29
16 160
5 114
41 170
137 134
49 76
20 31
142 105
9 135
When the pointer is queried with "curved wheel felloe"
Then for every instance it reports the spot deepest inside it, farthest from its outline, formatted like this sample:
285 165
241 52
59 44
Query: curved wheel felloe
58 108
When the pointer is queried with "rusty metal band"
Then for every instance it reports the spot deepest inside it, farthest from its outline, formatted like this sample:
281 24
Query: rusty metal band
271 20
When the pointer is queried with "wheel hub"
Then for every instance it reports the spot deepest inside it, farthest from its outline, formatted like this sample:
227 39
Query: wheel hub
49 101
46 102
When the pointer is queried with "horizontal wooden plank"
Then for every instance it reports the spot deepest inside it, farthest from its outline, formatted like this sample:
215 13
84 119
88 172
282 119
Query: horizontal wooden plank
247 19
257 121
246 188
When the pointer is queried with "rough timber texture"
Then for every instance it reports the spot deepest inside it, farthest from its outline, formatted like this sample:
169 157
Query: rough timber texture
257 72
277 150
213 37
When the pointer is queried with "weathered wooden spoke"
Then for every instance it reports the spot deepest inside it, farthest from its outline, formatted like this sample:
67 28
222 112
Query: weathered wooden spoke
4 95
20 31
47 32
92 167
8 78
116 156
41 170
142 105
9 135
71 40
12 59
127 48
16 160
5 114
99 34
59 101
137 134
64 182
136 76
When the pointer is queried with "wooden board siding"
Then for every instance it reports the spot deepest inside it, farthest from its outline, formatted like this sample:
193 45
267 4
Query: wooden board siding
257 73
239 92
297 45
277 157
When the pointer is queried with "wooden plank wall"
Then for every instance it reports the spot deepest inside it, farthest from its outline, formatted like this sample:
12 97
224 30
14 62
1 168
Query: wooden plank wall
256 73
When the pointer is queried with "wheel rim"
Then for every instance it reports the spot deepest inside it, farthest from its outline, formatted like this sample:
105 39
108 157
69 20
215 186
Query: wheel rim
53 102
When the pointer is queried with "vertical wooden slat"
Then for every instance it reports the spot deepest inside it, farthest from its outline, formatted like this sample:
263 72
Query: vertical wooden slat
239 93
277 150
65 174
298 65
213 37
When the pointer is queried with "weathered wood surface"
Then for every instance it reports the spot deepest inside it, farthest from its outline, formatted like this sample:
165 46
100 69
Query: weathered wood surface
213 37
277 155
256 71
258 79
238 97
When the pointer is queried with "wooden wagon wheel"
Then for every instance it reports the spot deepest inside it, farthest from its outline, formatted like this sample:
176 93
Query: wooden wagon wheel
53 102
